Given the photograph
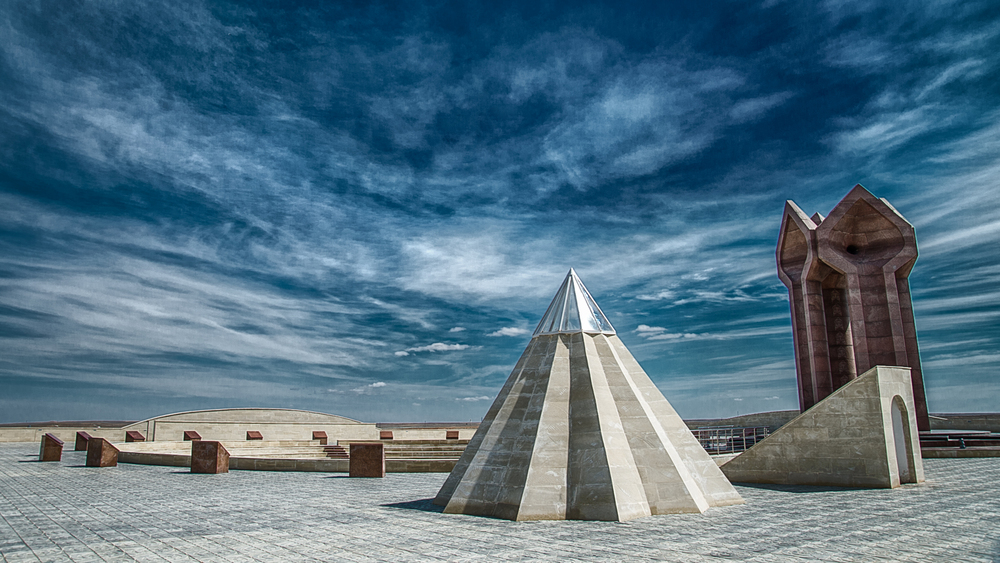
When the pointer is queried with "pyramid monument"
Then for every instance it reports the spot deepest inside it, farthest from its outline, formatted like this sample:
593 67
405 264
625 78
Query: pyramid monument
580 432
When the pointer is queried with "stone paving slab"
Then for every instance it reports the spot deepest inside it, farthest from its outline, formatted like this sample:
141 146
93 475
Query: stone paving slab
63 511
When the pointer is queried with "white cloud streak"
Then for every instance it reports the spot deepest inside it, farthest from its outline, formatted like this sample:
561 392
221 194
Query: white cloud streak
436 347
510 331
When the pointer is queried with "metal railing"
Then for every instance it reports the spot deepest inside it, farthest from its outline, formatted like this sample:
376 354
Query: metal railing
729 439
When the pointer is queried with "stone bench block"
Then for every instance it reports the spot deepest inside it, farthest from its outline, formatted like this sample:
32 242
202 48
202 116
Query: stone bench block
209 457
191 435
254 435
385 435
101 453
367 460
81 441
321 436
134 436
451 435
51 449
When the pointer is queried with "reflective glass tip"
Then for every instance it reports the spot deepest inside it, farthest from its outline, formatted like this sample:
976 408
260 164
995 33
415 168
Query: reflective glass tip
573 309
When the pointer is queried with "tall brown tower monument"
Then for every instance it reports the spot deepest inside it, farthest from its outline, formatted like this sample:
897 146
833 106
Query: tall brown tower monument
850 297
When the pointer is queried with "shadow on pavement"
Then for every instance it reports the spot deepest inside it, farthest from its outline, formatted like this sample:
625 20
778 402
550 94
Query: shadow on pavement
799 488
424 505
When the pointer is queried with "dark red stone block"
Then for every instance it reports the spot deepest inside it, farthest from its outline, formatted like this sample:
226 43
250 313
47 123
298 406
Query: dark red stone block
51 449
848 273
321 436
209 457
81 441
367 459
134 436
191 435
254 435
101 453
385 435
451 435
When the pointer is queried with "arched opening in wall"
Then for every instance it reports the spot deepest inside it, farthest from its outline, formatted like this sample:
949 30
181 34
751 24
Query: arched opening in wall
901 441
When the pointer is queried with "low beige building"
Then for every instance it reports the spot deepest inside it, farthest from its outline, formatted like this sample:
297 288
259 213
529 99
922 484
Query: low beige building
233 425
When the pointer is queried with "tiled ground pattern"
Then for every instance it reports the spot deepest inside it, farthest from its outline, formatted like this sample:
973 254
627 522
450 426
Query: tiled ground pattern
63 511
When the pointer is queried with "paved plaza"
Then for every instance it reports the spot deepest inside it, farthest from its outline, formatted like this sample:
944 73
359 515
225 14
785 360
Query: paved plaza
62 511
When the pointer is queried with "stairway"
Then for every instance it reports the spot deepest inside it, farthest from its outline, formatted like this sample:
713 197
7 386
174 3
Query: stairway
336 452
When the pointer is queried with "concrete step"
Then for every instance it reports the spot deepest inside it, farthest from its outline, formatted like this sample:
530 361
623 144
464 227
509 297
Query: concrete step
408 443
299 449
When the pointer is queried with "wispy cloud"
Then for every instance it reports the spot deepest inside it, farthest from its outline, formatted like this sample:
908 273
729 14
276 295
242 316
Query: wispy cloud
509 331
368 389
753 108
674 336
658 296
660 333
436 347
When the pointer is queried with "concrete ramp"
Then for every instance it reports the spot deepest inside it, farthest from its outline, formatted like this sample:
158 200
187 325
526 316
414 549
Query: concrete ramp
862 435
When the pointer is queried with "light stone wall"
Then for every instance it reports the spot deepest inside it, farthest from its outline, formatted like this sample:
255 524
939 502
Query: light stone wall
298 455
966 421
230 431
258 415
437 433
844 440
233 424
227 431
65 433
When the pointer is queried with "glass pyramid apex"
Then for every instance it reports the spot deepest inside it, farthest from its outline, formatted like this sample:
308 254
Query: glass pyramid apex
573 310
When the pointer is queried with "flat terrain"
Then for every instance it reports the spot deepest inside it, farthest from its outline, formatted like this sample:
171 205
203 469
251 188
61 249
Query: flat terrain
66 512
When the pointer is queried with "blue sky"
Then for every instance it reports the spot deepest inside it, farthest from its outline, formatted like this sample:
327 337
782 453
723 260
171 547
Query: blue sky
364 208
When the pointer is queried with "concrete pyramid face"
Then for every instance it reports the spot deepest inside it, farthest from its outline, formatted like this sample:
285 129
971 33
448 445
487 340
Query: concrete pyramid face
579 431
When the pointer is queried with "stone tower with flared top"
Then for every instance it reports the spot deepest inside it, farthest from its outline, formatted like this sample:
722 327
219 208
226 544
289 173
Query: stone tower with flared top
847 278
580 432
